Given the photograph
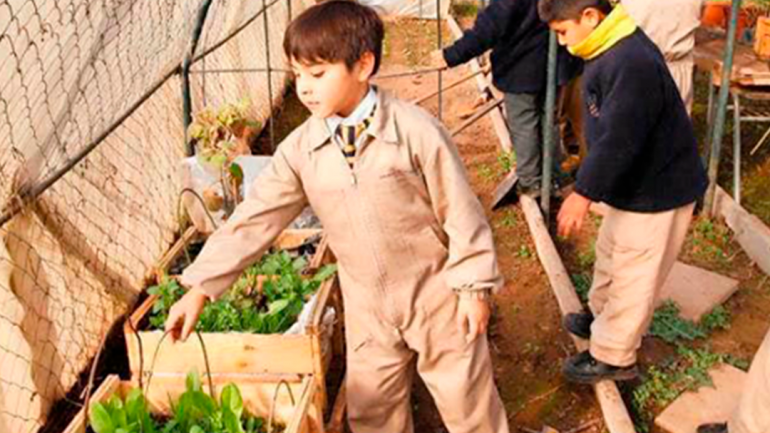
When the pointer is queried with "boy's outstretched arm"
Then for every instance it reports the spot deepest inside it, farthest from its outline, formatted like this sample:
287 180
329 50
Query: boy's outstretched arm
471 268
486 31
274 200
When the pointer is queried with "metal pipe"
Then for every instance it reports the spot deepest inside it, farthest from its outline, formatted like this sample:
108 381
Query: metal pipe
737 149
548 128
236 70
719 121
440 46
186 63
269 74
407 73
481 112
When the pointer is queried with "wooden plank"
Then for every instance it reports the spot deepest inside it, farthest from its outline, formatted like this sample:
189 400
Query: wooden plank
750 232
696 291
748 69
485 86
614 410
175 251
707 404
110 385
337 419
227 352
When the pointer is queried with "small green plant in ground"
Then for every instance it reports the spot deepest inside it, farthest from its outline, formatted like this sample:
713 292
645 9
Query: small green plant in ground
485 172
509 220
524 252
587 257
505 162
194 412
711 241
669 326
663 384
244 308
582 283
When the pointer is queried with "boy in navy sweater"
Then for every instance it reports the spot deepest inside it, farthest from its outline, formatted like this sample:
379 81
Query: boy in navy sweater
519 43
642 161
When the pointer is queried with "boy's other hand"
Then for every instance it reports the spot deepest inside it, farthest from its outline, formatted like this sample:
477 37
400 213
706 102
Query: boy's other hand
472 317
184 315
573 212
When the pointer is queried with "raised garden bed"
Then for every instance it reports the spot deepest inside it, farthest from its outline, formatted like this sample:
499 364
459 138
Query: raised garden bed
288 412
256 362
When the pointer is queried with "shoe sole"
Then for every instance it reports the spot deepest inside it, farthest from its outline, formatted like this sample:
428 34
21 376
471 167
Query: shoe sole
593 380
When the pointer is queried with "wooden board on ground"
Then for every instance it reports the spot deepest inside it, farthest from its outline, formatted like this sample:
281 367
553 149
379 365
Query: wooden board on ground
505 192
750 232
707 405
696 291
295 411
748 69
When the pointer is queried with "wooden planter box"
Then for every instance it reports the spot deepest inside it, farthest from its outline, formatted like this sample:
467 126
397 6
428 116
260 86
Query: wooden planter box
295 411
259 361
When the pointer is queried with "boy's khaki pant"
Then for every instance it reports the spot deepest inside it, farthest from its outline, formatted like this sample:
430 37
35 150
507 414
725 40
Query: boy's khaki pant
682 71
459 376
753 412
634 254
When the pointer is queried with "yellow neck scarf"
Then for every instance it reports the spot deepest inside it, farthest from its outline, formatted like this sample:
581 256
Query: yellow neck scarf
616 26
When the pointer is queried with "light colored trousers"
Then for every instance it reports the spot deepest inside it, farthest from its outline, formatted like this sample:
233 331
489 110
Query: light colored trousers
753 412
682 71
634 255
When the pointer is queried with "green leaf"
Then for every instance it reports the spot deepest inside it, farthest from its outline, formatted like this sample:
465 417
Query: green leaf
232 422
278 306
196 429
117 411
193 382
203 403
325 273
236 171
135 405
231 399
100 419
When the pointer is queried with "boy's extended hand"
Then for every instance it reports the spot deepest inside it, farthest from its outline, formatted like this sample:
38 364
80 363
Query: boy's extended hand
184 315
472 317
572 214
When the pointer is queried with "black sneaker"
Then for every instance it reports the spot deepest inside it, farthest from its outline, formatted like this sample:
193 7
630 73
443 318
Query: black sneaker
713 428
579 324
584 368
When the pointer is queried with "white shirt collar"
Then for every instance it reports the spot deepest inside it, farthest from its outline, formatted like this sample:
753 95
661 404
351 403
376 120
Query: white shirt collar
362 111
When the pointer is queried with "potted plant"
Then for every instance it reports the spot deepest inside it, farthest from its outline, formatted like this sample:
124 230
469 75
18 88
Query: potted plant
220 136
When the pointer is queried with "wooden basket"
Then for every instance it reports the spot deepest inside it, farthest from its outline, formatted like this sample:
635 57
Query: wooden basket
296 411
255 361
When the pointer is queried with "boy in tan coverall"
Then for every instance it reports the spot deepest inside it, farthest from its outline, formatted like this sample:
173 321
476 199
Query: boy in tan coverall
753 412
415 252
671 24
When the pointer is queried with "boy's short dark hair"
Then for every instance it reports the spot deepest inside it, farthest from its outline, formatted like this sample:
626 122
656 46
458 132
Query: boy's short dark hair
561 10
335 31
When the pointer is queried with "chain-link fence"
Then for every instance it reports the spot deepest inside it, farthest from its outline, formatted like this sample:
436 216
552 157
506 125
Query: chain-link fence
91 133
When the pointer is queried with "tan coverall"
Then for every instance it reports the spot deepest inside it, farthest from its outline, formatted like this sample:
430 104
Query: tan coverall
753 412
671 24
406 229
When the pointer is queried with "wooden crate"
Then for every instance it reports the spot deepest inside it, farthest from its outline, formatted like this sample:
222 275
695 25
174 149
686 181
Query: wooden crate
240 357
296 411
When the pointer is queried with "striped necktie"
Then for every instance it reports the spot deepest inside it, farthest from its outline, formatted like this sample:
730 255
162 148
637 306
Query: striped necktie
348 135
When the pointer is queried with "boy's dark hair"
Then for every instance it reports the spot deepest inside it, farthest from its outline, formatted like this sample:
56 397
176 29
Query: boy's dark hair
334 31
561 10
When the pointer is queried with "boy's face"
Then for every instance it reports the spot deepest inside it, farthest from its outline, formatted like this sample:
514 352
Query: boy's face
572 32
329 89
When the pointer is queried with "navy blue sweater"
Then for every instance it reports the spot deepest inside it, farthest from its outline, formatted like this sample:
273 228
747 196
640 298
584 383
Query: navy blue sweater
642 153
518 39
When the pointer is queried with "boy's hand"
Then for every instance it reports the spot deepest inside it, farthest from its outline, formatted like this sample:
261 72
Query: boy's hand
572 214
184 315
472 317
